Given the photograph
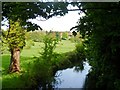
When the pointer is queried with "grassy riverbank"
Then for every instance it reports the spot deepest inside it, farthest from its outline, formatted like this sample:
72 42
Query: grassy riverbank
17 80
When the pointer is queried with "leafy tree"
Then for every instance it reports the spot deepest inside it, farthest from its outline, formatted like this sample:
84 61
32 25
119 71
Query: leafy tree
15 38
100 27
22 11
12 11
31 10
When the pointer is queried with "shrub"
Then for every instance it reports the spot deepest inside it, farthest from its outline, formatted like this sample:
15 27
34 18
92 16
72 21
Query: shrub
41 72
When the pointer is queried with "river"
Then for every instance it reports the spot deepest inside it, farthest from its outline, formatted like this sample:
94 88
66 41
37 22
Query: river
70 78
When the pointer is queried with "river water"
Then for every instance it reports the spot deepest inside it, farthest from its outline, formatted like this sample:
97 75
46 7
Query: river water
70 78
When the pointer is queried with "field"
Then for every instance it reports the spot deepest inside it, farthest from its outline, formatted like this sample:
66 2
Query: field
26 57
62 47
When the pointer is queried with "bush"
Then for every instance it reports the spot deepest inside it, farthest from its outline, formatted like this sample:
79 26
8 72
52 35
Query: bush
41 72
44 67
49 46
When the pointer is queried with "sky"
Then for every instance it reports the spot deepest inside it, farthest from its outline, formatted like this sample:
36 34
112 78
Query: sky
58 23
61 23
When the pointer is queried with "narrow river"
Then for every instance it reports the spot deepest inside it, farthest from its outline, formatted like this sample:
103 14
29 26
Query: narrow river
70 78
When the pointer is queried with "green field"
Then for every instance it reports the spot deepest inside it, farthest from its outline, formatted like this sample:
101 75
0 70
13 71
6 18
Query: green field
26 57
27 54
62 47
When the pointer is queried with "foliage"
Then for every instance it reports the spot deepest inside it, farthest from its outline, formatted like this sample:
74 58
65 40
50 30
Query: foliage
50 45
42 72
77 38
80 48
74 33
15 36
35 70
36 36
45 66
100 29
46 10
14 10
4 46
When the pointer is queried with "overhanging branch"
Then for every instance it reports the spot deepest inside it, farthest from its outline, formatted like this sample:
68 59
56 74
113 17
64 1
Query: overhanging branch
57 13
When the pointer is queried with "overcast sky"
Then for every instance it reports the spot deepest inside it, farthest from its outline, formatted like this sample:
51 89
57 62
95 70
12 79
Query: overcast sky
63 23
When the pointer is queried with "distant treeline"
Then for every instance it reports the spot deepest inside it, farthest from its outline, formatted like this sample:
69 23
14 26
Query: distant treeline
37 36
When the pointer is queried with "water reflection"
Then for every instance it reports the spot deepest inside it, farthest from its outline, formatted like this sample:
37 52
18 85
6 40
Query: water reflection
70 78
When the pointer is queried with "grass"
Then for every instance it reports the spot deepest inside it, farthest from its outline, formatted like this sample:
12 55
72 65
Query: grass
15 80
33 51
62 47
65 46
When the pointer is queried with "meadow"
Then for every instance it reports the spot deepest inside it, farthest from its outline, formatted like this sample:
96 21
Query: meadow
16 80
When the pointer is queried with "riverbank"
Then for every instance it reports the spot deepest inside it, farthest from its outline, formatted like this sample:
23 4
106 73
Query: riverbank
26 79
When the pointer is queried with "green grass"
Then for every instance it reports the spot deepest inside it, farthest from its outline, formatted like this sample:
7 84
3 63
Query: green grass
62 47
15 80
65 46
33 51
5 62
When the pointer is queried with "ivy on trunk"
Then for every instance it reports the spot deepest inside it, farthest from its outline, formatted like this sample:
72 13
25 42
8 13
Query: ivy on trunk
15 38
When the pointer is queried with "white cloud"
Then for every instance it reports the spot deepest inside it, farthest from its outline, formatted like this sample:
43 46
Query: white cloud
63 23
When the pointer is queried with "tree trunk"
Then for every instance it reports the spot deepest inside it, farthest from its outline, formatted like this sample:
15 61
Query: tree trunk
15 60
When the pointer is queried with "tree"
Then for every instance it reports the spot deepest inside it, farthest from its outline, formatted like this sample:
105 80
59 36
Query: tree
12 11
101 26
17 14
31 10
16 41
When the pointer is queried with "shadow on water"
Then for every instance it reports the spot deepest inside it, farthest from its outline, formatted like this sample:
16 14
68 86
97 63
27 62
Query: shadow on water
70 78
